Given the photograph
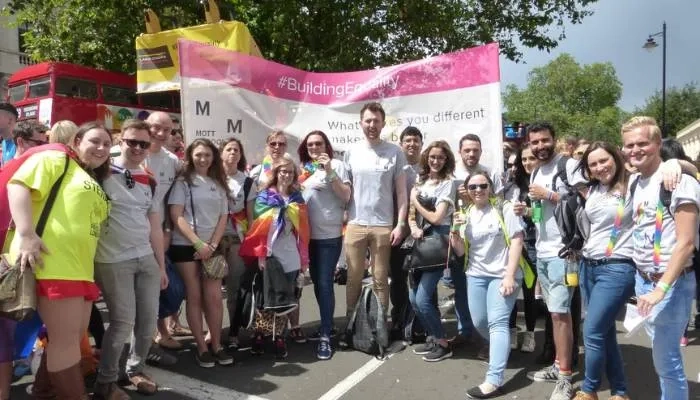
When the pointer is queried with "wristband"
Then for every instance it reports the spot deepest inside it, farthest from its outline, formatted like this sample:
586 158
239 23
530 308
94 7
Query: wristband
665 287
401 224
331 176
198 245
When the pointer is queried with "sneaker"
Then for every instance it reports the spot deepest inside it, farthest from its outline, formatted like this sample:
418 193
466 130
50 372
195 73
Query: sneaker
205 360
144 384
316 336
233 343
425 348
223 358
514 338
281 348
324 351
580 395
483 391
297 335
529 344
159 357
439 353
343 341
459 340
547 374
563 390
258 346
684 341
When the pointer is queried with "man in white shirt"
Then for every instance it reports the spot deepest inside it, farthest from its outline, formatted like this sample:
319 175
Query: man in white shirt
665 281
377 173
470 153
551 269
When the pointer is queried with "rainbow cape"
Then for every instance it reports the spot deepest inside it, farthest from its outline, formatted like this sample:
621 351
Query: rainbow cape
270 207
267 166
239 220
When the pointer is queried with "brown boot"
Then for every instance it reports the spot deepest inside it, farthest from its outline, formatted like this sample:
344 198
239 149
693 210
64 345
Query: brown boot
109 391
68 384
42 389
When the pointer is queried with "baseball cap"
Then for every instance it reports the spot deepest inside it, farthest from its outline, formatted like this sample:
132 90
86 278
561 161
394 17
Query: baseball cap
9 108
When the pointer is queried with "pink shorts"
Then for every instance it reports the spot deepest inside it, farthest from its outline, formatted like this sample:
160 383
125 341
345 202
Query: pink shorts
56 289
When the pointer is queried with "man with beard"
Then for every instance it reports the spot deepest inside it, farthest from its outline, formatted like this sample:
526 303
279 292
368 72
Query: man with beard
411 141
550 268
470 152
377 173
8 119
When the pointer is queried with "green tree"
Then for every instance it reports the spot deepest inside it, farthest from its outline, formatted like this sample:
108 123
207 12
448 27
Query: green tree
580 100
682 107
318 35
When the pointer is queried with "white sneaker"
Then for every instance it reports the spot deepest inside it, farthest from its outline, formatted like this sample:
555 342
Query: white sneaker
528 345
514 338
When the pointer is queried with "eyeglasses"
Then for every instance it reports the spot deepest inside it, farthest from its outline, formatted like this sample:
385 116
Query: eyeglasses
36 141
579 153
437 158
314 144
133 143
285 172
277 144
482 186
130 183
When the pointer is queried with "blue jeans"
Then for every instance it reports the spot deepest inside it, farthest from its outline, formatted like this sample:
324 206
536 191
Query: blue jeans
323 257
421 297
464 319
605 289
490 312
665 327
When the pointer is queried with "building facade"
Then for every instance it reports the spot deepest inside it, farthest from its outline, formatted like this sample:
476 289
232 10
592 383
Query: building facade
689 137
12 56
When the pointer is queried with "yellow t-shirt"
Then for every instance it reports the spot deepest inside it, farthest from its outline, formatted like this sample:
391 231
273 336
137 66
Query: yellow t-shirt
73 226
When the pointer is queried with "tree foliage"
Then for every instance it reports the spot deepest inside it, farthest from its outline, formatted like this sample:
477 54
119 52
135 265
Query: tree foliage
578 100
318 35
682 107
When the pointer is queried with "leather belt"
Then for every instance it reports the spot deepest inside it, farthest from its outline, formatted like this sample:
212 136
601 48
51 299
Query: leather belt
604 261
655 276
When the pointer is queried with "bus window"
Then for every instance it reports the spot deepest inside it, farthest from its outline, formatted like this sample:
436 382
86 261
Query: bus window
76 88
156 100
116 94
17 93
39 87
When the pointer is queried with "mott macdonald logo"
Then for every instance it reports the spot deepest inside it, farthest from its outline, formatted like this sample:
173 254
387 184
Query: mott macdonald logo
342 90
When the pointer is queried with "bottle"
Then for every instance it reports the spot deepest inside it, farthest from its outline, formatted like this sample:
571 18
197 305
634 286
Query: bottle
571 277
536 210
460 212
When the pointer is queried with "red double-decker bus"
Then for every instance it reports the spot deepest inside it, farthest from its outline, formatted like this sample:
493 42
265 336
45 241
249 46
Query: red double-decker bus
54 91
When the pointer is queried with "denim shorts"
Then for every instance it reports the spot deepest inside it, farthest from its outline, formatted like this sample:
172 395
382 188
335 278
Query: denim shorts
550 274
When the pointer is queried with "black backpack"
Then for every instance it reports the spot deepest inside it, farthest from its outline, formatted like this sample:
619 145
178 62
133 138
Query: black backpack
665 197
568 212
366 330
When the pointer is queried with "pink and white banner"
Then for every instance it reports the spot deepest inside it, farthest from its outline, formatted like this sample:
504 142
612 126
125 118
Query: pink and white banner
225 93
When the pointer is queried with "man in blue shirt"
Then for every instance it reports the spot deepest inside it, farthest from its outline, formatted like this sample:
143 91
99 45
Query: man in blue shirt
8 119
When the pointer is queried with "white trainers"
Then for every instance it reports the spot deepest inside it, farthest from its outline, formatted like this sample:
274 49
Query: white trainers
528 345
514 338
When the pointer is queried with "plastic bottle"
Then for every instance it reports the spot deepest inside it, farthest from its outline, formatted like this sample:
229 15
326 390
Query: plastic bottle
536 210
571 278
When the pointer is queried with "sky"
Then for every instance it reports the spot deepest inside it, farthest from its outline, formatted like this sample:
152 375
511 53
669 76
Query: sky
616 33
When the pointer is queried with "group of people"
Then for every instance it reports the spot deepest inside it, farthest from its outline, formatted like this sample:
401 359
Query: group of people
129 214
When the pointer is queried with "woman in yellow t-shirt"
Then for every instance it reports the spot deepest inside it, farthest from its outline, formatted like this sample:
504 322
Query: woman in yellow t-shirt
62 258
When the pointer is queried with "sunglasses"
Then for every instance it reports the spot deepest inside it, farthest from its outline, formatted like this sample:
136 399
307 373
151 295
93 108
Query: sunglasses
130 183
314 144
277 144
133 143
482 186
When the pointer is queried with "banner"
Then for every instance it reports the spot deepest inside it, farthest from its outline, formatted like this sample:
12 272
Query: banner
157 60
228 94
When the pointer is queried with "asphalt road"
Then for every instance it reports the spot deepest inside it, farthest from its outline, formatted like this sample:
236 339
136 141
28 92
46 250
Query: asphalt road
404 376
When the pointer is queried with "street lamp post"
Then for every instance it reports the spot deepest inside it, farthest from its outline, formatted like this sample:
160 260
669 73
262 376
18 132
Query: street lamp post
650 45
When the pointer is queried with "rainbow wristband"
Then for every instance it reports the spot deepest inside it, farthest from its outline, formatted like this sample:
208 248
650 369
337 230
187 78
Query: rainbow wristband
665 287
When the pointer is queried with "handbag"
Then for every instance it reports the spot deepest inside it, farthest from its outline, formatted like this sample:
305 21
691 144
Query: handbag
429 252
215 267
17 287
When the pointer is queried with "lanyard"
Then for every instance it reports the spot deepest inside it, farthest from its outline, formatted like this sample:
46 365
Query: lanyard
615 232
658 228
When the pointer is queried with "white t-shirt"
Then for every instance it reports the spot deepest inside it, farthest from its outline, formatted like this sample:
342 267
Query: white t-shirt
236 202
126 233
443 192
488 253
284 247
462 173
645 203
164 166
325 207
373 171
210 203
601 210
548 235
